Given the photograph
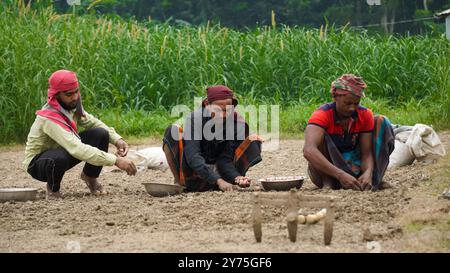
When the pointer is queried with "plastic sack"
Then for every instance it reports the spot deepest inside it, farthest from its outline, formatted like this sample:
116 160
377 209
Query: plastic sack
424 143
403 136
148 158
401 156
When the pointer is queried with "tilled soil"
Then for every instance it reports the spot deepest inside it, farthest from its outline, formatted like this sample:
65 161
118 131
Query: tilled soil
130 220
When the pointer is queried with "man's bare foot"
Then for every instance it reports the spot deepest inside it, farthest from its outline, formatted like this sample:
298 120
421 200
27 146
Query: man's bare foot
94 186
385 185
328 183
52 195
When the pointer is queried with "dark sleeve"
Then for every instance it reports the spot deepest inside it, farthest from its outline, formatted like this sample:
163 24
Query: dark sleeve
192 152
225 163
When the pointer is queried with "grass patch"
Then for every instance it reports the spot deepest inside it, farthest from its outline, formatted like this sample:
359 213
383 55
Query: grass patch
414 227
293 118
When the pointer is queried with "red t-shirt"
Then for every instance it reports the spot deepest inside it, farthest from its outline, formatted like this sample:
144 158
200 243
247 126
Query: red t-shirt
361 122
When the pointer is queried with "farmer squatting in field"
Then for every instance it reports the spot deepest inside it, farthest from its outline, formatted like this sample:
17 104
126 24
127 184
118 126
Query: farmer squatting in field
214 149
345 145
55 146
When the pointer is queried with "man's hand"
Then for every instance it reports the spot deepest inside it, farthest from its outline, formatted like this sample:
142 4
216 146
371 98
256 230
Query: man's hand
348 182
224 185
126 165
365 181
255 137
243 181
122 148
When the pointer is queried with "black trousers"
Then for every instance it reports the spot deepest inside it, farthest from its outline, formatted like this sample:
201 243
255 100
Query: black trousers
50 166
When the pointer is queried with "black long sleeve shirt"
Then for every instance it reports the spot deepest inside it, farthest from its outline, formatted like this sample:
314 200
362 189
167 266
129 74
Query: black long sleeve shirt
201 149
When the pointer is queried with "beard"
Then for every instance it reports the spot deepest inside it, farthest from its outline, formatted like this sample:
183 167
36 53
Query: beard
67 106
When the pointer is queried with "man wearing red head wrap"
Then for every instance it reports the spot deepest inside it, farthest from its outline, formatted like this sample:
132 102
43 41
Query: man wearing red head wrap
214 151
345 145
54 144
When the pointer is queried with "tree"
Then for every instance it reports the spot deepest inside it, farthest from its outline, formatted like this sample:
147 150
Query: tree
250 13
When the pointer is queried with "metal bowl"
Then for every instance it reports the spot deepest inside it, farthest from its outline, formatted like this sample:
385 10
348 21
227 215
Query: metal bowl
161 190
282 183
17 194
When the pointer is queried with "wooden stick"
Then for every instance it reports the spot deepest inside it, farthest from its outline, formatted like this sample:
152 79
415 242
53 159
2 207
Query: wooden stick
273 202
257 218
292 215
328 226
293 200
273 195
314 204
313 198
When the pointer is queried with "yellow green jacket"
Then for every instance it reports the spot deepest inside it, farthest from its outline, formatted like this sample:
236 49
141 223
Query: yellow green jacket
45 135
